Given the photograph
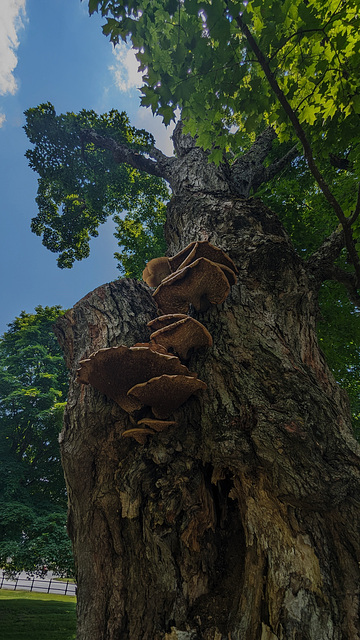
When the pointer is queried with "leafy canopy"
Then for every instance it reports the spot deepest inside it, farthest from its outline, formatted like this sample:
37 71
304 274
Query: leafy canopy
80 185
195 57
33 389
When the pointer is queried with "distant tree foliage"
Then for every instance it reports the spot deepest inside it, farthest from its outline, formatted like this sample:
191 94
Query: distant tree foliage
33 390
141 236
80 186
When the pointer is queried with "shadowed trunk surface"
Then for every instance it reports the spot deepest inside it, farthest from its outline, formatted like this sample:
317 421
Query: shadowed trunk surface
242 522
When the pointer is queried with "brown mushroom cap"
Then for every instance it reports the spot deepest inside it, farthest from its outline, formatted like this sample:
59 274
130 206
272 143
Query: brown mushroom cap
182 336
197 283
164 321
166 393
139 434
151 345
156 270
229 273
200 249
157 425
114 371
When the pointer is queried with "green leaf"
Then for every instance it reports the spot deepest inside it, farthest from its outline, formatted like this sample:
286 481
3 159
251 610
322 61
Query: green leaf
93 6
356 103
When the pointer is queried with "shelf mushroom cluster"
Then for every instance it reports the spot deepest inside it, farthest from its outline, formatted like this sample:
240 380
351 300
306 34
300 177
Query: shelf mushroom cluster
200 274
150 374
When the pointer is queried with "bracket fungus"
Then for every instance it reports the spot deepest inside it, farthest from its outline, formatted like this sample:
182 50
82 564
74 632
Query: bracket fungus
115 370
156 270
181 335
152 346
163 321
166 393
138 433
201 249
157 425
200 283
146 373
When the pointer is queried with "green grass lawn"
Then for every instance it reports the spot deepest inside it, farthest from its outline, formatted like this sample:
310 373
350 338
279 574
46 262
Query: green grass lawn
36 616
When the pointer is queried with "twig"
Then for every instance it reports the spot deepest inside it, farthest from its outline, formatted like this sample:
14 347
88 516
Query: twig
356 213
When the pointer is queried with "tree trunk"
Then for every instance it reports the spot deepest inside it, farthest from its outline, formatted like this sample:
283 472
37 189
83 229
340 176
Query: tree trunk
241 522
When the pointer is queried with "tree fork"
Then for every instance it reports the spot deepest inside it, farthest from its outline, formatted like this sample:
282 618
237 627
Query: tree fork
242 521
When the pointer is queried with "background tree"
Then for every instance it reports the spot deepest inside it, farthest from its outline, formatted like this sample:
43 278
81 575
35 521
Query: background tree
80 186
33 389
242 520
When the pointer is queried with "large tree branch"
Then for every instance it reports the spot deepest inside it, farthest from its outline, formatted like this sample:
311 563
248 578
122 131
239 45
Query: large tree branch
267 173
260 149
349 282
248 171
246 167
321 265
122 153
323 258
349 241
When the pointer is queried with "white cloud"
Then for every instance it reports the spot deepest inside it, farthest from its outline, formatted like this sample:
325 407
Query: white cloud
2 119
127 77
125 70
146 120
12 20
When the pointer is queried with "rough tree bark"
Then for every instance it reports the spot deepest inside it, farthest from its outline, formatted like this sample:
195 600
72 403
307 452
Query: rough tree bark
242 522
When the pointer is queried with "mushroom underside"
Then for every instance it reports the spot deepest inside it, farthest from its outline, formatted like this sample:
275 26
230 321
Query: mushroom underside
166 393
116 370
182 336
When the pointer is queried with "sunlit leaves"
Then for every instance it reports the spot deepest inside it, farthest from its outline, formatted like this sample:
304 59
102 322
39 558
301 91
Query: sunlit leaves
140 234
195 47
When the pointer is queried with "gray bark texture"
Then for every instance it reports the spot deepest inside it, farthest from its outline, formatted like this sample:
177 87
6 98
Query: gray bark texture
241 522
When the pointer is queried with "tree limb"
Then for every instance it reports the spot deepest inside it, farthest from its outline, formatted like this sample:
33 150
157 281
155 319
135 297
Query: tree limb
346 279
261 148
122 153
356 213
321 265
267 173
323 258
248 172
159 156
246 167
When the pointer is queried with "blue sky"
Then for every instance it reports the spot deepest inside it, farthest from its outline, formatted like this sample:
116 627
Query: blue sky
51 50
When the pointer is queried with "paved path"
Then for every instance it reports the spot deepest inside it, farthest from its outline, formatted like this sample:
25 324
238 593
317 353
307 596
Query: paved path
41 585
